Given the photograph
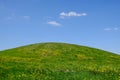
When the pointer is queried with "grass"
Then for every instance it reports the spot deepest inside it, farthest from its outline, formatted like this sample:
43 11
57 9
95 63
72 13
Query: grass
58 61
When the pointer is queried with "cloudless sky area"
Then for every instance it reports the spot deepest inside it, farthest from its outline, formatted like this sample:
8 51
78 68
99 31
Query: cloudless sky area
94 23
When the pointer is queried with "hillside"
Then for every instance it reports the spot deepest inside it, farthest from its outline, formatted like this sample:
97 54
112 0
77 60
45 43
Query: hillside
58 61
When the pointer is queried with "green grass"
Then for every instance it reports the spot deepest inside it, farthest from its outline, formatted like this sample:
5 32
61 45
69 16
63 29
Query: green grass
58 61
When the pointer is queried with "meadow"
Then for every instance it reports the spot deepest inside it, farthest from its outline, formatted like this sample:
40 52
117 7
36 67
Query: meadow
58 61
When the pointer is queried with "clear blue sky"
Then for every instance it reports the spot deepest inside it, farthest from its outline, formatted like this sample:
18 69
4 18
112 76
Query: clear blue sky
94 23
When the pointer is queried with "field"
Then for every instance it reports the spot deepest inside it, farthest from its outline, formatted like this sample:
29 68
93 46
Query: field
58 61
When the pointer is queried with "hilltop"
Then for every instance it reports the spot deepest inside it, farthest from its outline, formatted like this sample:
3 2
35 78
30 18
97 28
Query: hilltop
58 61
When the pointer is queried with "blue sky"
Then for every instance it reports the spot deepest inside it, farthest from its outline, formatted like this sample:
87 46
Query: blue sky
94 23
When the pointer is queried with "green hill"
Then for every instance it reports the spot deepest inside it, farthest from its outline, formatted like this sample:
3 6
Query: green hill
58 61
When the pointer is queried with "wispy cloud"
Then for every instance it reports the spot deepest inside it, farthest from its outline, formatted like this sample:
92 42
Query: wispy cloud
107 29
54 23
16 17
116 28
71 14
11 17
26 17
111 29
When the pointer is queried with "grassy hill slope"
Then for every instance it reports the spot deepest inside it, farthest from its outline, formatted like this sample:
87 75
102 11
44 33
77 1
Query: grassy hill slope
58 61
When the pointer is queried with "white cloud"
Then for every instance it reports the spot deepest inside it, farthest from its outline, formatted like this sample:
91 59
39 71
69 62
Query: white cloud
54 23
107 29
116 28
71 14
26 17
9 18
111 29
15 17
